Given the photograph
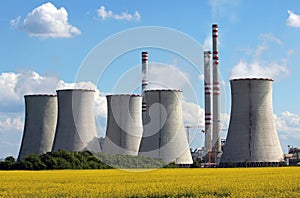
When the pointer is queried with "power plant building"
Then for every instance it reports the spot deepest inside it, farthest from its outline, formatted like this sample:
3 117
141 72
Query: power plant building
40 124
76 128
252 139
164 135
124 124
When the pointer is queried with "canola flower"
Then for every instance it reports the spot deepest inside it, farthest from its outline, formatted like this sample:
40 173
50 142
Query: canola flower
237 182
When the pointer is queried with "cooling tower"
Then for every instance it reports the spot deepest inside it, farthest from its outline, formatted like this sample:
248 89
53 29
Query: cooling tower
252 138
76 128
216 139
40 124
164 135
208 100
124 124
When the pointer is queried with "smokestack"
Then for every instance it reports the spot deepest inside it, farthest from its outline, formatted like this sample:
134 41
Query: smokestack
76 127
144 79
216 92
252 138
208 99
40 124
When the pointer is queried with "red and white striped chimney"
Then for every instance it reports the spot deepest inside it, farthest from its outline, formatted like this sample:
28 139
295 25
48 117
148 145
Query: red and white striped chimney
208 99
216 92
144 78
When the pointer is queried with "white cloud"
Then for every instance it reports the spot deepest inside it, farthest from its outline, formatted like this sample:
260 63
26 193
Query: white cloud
47 21
167 76
15 22
13 87
266 39
192 114
11 121
288 125
293 20
258 68
105 14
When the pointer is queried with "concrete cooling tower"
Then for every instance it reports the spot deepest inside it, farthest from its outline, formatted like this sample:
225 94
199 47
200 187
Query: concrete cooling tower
40 124
252 138
124 124
76 128
164 135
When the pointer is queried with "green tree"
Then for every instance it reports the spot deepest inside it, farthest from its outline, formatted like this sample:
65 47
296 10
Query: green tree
37 163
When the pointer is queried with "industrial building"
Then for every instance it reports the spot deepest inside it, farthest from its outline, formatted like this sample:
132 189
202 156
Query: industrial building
40 124
76 128
124 124
252 138
164 136
151 124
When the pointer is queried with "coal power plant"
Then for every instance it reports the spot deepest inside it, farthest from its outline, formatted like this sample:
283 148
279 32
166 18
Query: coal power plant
124 124
150 123
76 127
164 136
40 124
252 138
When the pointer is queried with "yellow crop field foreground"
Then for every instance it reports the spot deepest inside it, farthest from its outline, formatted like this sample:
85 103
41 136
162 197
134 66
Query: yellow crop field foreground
237 182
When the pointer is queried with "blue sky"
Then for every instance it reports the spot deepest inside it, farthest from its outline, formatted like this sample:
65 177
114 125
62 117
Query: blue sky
43 45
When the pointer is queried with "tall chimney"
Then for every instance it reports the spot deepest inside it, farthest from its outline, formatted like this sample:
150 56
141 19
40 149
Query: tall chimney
144 78
216 92
208 99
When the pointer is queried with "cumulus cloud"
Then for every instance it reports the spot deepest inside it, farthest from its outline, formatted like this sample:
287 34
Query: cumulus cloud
47 21
167 76
192 114
293 20
106 14
14 23
11 121
288 125
258 68
13 87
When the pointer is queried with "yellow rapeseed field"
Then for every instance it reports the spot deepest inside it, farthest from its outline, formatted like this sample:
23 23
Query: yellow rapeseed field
237 182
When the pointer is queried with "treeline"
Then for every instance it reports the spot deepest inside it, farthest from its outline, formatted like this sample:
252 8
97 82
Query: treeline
62 159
